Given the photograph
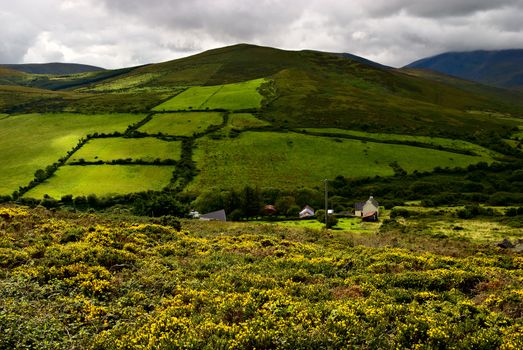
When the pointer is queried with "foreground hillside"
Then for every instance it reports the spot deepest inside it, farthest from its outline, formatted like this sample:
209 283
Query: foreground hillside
83 281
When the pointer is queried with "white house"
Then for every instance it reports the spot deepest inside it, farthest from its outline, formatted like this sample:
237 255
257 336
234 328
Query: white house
306 212
367 209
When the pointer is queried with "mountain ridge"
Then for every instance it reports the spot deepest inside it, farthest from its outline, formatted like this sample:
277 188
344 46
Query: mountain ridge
501 68
53 68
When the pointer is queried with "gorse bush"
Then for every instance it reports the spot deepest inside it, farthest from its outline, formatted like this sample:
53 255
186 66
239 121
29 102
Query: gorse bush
87 281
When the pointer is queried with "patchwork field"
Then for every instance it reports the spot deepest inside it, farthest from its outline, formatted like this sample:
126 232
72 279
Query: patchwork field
182 124
237 96
33 141
103 180
289 160
147 149
245 121
436 141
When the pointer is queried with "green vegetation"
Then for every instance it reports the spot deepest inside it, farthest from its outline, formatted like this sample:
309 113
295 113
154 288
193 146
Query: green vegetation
31 142
146 149
237 96
290 160
434 141
182 124
103 180
88 281
344 224
246 121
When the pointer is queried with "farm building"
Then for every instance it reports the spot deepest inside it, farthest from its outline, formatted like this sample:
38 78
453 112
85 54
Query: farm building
218 215
269 210
306 212
368 210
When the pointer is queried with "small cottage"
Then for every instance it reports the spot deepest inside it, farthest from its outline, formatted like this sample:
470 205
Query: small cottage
269 210
368 210
306 212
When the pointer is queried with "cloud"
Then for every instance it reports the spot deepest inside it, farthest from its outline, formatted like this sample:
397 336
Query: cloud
117 33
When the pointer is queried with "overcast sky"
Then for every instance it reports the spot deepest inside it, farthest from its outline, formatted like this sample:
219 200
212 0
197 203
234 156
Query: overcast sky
119 33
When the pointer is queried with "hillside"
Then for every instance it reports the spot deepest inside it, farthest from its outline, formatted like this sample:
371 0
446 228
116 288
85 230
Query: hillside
497 68
52 68
77 281
245 116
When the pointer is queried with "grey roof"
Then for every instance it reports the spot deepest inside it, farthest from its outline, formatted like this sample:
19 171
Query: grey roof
215 215
358 206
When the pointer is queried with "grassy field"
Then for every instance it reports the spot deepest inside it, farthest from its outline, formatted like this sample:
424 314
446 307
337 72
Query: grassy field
245 121
147 149
443 222
236 96
103 180
182 124
344 224
289 160
31 142
436 141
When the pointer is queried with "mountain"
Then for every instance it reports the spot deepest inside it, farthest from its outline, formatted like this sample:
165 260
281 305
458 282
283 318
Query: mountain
247 115
497 68
318 89
53 68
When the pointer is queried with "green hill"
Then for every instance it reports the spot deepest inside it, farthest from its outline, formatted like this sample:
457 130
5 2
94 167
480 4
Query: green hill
237 111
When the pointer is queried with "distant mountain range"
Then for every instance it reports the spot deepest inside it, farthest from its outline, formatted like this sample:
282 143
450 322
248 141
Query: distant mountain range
497 68
53 68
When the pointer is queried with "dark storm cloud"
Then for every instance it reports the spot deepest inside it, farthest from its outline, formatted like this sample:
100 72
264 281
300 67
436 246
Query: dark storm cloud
114 33
437 9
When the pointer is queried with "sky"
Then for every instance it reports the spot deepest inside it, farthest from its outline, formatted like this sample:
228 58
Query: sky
123 33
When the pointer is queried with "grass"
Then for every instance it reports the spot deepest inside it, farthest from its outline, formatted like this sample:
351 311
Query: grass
344 224
147 149
246 121
443 222
236 96
103 180
289 160
182 124
34 141
124 83
435 141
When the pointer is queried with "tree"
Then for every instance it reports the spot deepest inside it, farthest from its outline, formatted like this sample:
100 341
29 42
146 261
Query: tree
331 219
40 175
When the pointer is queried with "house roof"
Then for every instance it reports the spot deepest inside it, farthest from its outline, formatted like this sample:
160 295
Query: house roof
215 215
307 208
358 206
368 214
373 201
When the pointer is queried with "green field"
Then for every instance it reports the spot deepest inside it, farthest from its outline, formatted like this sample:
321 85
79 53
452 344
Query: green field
34 141
182 124
103 180
344 224
236 96
246 121
147 149
435 141
290 160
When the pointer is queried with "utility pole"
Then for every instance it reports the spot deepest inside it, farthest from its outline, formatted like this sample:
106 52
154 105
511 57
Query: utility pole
326 204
